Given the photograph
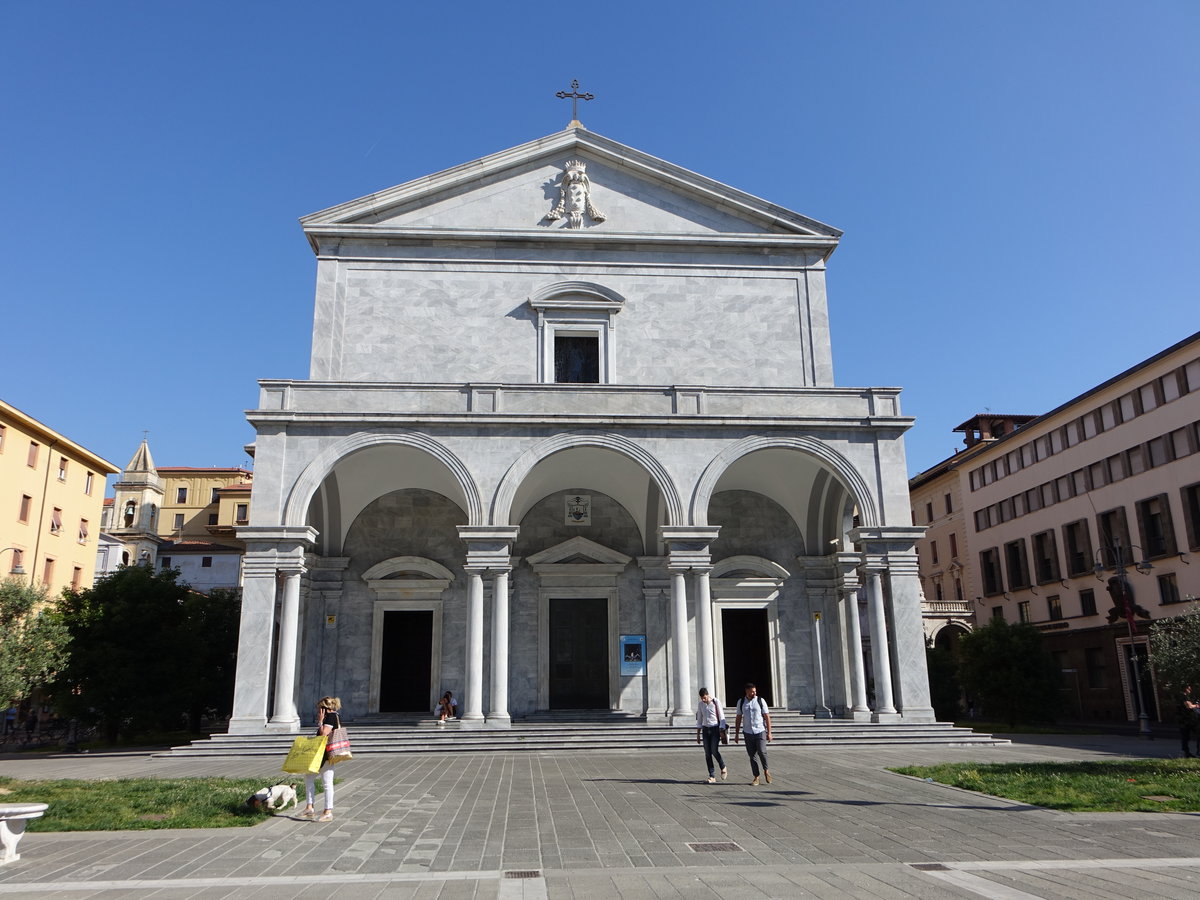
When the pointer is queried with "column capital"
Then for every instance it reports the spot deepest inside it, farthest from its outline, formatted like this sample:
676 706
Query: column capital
489 547
687 545
284 538
819 571
887 538
847 566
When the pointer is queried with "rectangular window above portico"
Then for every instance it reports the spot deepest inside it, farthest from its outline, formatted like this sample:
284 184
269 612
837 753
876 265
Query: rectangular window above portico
576 324
576 358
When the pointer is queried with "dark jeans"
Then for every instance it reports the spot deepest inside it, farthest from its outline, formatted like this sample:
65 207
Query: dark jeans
711 736
1186 729
756 747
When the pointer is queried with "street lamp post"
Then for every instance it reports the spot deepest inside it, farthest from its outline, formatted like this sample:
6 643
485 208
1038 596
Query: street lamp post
17 568
1125 600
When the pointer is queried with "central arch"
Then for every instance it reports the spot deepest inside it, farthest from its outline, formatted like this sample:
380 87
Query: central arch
502 507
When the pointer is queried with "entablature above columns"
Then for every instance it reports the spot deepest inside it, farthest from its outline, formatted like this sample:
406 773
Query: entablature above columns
489 548
688 546
336 402
276 548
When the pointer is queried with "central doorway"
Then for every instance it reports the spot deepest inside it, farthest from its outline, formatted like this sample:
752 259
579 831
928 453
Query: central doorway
579 653
746 653
406 661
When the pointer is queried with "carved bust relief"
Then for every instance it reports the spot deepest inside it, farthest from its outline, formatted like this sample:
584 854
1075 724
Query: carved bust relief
575 197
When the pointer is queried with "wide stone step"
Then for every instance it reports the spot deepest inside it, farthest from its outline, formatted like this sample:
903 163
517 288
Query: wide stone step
790 730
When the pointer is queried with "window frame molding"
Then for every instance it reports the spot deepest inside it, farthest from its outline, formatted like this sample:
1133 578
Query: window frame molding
579 308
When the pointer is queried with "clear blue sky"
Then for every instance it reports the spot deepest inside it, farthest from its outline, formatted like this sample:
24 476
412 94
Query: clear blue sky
1017 181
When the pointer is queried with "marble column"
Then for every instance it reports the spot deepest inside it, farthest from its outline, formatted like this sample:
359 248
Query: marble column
285 713
706 668
688 551
270 550
254 634
912 692
680 663
489 550
854 650
473 701
885 711
498 714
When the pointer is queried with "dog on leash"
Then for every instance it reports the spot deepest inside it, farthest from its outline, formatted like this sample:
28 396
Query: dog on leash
276 798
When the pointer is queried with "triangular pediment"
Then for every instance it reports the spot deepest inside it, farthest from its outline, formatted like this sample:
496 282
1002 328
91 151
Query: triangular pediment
578 551
630 192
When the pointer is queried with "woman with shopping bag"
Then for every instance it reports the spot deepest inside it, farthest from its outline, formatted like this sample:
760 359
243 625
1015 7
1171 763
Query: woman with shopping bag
328 720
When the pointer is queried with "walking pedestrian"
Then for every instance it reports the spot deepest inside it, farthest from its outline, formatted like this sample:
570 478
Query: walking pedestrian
710 722
1188 710
752 709
328 719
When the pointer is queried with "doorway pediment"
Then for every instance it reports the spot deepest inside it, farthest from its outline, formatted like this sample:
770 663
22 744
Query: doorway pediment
579 551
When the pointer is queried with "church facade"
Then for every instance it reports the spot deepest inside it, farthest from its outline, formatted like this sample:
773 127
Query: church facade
571 441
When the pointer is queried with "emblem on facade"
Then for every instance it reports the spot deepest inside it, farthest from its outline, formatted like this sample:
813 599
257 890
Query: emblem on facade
579 509
575 197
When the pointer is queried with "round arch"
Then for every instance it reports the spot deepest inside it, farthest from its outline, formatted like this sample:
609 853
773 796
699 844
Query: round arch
316 471
837 464
945 633
527 461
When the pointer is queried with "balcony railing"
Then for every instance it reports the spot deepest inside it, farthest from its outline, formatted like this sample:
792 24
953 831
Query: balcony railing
333 401
946 608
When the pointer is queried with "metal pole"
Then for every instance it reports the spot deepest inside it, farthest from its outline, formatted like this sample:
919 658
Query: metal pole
1126 599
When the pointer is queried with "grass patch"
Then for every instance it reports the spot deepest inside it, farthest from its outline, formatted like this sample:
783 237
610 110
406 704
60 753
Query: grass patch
129 804
1125 786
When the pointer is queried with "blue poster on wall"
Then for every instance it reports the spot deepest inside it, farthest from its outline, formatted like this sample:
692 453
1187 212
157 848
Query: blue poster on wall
633 654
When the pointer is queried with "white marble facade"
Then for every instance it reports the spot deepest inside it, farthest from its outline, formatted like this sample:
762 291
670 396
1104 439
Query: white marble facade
730 504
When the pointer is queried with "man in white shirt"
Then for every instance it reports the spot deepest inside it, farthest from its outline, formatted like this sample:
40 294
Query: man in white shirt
753 710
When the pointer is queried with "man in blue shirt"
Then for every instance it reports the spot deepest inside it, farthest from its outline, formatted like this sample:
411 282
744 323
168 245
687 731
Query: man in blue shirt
754 711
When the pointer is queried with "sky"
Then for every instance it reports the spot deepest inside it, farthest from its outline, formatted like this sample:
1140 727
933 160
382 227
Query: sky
1018 182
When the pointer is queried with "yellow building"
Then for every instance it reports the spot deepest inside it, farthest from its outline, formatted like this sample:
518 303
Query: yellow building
204 504
51 496
180 517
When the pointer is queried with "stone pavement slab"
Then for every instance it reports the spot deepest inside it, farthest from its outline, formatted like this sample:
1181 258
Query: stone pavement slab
626 824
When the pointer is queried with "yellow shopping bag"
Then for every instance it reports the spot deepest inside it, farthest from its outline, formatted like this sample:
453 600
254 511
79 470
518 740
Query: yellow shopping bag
306 755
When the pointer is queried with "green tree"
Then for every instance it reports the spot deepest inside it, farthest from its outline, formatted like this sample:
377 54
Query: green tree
148 652
33 640
1175 650
944 690
212 622
1009 672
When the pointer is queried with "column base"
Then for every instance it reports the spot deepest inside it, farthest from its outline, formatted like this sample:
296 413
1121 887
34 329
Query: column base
283 726
247 725
499 720
685 717
471 721
885 717
857 715
922 714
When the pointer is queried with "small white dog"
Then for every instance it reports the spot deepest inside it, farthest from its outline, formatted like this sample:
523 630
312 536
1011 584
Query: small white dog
276 798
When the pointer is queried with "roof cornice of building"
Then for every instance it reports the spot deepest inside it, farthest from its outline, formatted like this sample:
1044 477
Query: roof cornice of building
58 440
979 449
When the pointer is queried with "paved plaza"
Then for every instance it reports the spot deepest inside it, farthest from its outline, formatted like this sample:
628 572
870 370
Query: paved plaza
623 824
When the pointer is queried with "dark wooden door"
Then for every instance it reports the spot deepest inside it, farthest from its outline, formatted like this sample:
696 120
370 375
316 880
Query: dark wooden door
579 654
406 660
747 654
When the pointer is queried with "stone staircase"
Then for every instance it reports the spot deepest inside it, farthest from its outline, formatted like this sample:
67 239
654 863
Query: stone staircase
582 730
